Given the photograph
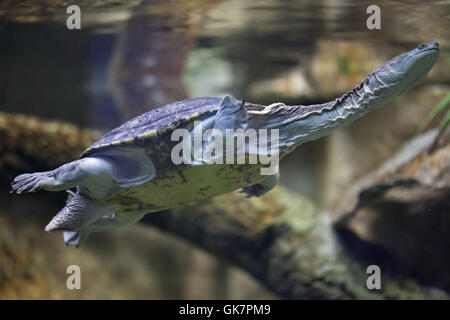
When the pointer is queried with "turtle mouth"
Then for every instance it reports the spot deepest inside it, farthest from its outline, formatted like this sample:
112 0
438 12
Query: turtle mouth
435 49
424 57
430 49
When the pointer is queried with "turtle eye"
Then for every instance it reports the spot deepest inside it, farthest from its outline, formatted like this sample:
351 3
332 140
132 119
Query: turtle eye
422 46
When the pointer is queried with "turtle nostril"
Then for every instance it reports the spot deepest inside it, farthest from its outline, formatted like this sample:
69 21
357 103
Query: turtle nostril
431 45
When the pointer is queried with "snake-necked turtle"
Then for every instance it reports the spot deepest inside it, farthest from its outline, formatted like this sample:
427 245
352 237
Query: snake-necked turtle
130 172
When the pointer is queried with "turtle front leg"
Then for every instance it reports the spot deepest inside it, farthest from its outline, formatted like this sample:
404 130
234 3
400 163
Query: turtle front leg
65 177
262 187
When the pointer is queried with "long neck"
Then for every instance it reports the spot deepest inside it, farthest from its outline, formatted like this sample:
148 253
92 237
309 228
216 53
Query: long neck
299 124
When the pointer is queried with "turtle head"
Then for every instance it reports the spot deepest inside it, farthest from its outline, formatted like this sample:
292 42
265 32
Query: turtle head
404 71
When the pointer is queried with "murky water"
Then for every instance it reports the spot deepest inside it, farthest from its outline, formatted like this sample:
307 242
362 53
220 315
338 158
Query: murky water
131 57
125 61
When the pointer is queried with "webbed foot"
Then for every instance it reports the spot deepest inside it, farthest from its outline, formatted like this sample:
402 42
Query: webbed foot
30 182
89 171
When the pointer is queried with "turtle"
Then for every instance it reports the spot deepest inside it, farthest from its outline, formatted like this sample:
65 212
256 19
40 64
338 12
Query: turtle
131 171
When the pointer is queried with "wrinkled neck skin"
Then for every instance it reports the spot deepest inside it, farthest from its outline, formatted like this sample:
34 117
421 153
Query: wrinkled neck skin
299 124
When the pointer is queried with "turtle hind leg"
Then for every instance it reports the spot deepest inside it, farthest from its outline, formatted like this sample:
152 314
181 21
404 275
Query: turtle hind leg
104 223
30 182
64 177
100 175
75 238
79 212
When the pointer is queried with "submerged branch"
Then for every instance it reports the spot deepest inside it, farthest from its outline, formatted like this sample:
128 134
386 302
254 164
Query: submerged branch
281 238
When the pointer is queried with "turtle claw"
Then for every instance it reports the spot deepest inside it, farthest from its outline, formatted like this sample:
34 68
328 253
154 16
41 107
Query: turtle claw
29 182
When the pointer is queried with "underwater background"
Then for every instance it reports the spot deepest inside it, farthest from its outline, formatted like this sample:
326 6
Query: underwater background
133 56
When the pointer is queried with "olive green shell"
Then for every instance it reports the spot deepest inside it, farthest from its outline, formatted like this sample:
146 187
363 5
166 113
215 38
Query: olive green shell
156 122
173 185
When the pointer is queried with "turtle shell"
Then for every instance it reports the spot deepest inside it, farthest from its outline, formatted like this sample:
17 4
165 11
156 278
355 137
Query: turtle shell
173 185
151 123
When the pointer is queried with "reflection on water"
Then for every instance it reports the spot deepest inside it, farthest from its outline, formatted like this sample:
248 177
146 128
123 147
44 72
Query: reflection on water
131 57
112 70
